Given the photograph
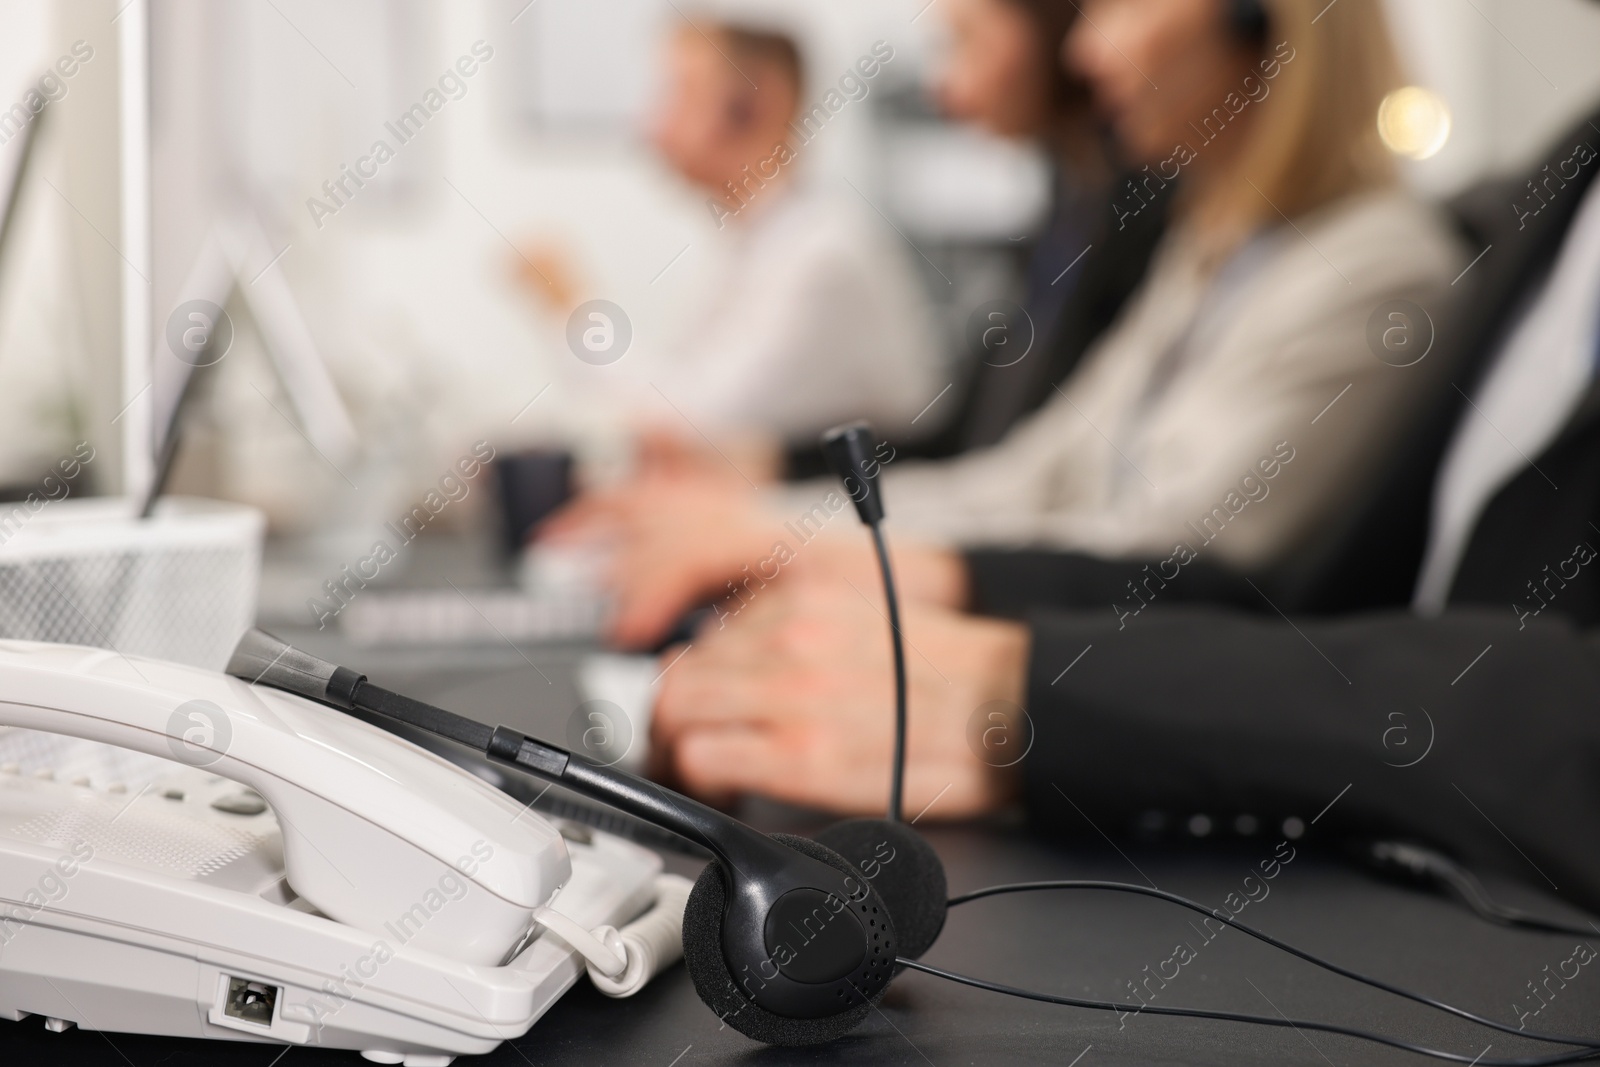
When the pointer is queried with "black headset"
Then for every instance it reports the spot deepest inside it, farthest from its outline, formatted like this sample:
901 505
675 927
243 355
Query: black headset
1248 19
793 941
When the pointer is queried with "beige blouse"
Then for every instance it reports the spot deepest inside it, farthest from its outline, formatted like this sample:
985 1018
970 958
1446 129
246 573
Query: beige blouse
1230 411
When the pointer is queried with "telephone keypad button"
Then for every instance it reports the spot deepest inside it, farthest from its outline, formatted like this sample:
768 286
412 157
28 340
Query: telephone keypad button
240 804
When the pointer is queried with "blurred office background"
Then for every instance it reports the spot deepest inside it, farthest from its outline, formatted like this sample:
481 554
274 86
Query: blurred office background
407 293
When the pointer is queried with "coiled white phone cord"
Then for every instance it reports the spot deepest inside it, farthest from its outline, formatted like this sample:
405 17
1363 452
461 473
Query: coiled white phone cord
621 962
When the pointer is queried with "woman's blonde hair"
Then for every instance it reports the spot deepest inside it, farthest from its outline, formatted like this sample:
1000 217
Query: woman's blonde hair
1316 137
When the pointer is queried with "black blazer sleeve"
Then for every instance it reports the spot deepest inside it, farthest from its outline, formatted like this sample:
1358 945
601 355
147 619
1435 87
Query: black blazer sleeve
1011 583
1190 710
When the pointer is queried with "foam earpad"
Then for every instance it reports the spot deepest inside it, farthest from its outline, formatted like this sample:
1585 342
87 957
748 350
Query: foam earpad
1248 19
702 955
904 870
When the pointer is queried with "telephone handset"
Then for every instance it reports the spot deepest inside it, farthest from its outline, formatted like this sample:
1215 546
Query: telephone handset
316 879
366 823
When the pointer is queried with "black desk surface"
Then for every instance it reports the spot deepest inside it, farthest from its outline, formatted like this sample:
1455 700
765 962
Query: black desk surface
1086 944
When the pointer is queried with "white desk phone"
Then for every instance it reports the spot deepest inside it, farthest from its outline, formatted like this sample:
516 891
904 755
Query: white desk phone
184 853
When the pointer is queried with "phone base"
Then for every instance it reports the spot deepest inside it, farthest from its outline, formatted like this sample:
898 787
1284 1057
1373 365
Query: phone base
164 909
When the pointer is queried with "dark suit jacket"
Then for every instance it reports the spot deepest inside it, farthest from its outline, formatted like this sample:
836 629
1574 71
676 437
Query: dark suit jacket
990 395
1478 730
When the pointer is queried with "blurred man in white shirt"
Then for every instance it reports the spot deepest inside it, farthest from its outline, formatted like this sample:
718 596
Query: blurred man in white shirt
816 315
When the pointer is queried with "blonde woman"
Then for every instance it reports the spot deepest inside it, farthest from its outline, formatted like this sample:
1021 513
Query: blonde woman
1235 403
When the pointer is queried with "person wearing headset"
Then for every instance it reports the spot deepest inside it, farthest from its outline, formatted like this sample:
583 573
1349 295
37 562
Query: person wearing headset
1198 418
813 310
1466 722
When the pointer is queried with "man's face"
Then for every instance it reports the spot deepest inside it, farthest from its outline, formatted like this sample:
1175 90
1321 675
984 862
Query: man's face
693 127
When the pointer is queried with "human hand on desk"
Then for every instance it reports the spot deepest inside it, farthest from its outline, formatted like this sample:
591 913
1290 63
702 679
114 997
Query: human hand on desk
740 461
680 542
794 699
673 544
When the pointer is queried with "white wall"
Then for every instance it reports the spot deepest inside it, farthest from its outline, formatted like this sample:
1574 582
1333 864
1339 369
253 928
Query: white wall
1515 73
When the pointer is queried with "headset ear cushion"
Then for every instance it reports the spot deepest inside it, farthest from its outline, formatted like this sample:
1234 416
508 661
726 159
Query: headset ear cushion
708 969
1248 19
904 870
